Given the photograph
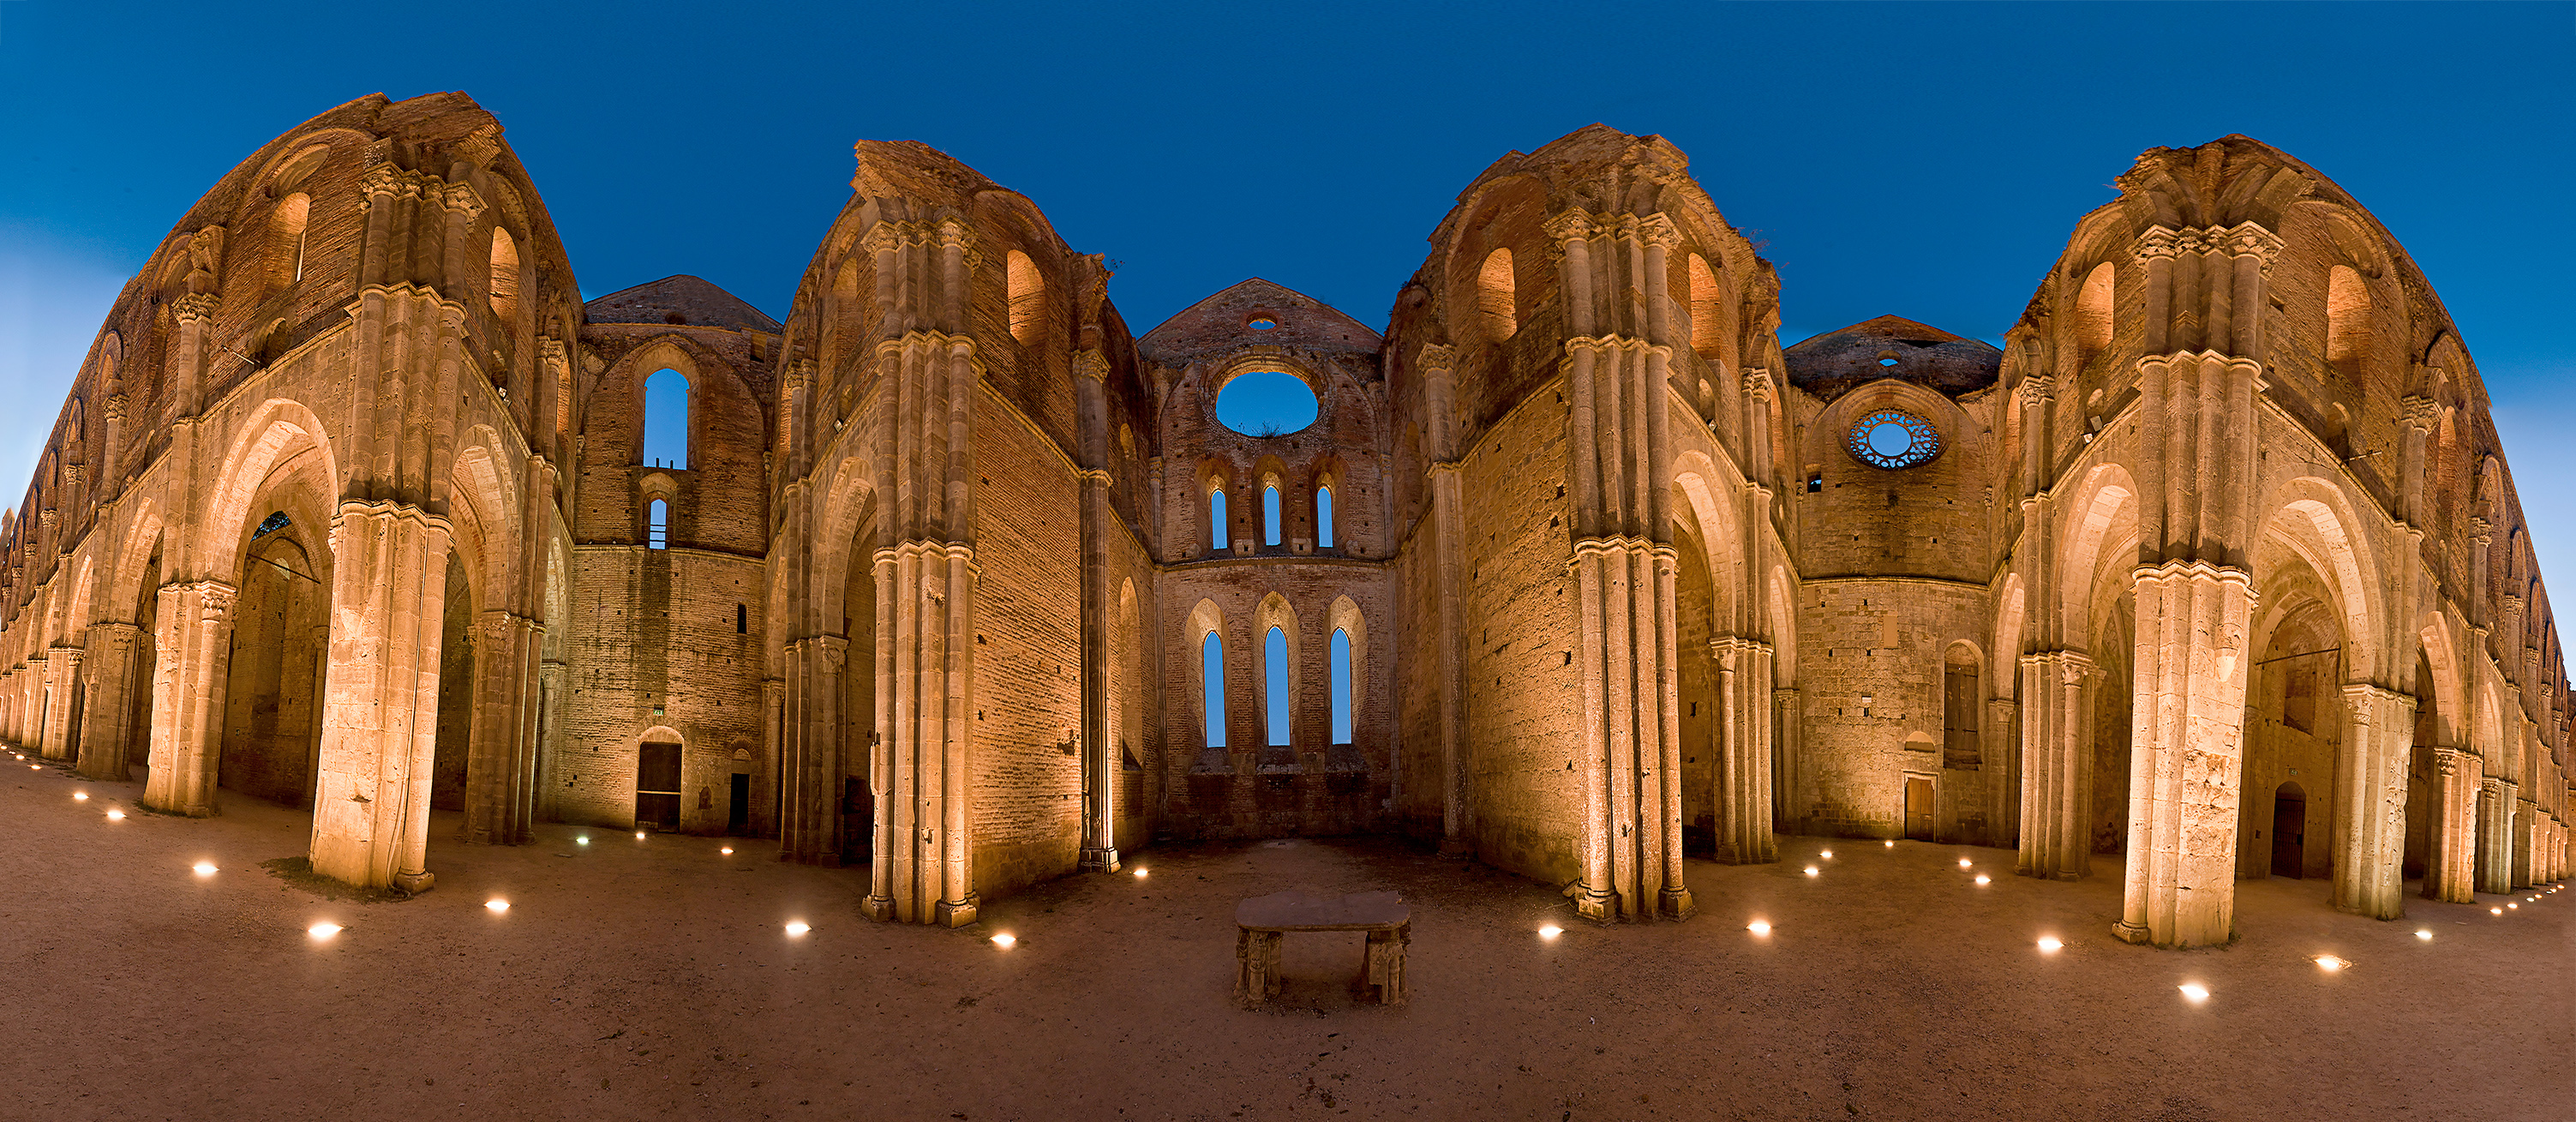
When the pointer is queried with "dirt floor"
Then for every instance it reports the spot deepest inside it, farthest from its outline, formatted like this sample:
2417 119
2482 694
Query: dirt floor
644 979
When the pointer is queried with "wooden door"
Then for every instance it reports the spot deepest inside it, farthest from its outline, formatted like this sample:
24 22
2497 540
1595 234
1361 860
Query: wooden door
1918 808
657 786
2289 833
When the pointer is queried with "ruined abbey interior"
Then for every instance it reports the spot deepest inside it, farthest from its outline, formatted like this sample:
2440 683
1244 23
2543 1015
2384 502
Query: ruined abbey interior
2216 566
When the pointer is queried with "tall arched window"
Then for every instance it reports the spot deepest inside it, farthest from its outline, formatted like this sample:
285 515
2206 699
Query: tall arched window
1341 686
2347 321
1708 334
1324 517
287 226
1027 291
2093 311
657 525
1496 303
666 420
1216 517
1270 513
1274 650
1212 683
1960 700
505 274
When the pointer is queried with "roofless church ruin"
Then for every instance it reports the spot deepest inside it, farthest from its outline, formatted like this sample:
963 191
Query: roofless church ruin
960 584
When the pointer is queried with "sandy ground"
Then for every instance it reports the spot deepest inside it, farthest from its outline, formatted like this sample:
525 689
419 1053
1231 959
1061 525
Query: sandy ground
645 979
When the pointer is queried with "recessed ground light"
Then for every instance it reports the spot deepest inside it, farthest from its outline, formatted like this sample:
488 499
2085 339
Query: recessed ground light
205 868
2330 962
115 816
1984 879
727 851
2195 991
639 835
581 841
35 767
1759 927
1891 845
80 796
2425 934
2495 911
1550 931
2512 905
798 928
323 930
1811 870
1005 940
1140 874
1964 862
1828 854
497 905
2048 944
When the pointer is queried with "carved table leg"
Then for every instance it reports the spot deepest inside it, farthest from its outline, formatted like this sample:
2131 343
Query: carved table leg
1384 969
1256 957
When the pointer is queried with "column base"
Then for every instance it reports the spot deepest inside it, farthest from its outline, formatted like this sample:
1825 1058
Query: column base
415 883
956 913
1102 860
878 908
1597 905
2132 933
2069 878
1676 903
1456 849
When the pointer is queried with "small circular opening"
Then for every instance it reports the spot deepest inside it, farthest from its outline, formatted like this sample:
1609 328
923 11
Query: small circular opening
1266 403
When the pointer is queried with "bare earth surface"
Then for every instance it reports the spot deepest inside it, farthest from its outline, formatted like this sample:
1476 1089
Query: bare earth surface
646 979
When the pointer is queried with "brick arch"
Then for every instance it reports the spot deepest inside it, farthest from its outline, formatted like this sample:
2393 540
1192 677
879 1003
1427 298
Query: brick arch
1705 490
837 546
2317 521
2105 500
276 430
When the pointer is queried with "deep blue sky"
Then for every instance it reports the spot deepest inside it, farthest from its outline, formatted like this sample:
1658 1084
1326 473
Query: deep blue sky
1926 160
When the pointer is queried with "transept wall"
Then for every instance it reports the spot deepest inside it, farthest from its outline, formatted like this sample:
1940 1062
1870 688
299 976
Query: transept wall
2215 565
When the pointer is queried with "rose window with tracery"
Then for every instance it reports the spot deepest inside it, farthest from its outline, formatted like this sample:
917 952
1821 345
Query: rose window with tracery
1893 438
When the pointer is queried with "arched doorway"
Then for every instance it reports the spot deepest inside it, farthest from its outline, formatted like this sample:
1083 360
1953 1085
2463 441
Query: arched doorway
2289 831
272 734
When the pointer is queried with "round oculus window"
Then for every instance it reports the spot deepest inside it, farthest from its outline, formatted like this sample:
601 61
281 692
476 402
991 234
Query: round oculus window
1893 438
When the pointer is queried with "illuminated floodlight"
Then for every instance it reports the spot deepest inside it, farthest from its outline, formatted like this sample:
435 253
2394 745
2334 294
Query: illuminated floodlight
205 868
639 835
581 841
2495 911
80 796
1964 862
2511 904
798 927
1550 931
1811 870
1140 874
2425 934
1827 855
1006 940
497 905
323 930
2195 991
1759 927
115 816
1891 845
2048 944
1984 879
2331 963
727 851
35 767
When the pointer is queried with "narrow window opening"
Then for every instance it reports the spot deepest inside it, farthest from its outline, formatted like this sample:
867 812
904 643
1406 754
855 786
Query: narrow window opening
1274 649
1216 518
1027 292
292 212
657 525
505 275
1270 515
1342 686
666 420
1324 517
742 620
1496 301
1212 684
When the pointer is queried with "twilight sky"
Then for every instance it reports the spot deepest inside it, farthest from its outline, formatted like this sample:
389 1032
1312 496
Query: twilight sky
1923 159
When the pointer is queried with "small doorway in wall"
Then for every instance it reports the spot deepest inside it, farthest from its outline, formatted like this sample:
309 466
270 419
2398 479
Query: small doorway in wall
738 818
858 821
2289 832
657 786
1918 808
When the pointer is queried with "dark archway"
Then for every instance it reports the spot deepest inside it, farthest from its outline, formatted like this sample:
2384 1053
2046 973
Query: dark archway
2289 831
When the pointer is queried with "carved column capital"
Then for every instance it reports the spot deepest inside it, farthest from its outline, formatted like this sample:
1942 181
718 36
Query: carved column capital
1570 225
1758 386
1658 231
1090 363
1436 356
461 200
2422 413
195 307
2246 239
2036 389
2156 242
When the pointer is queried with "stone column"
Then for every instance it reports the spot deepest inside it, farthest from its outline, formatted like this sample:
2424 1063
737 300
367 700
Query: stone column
2495 834
2526 842
1449 583
2002 774
108 705
62 702
195 655
2450 869
1743 802
380 715
1789 728
811 770
500 763
2370 833
2057 762
553 676
1099 741
2187 755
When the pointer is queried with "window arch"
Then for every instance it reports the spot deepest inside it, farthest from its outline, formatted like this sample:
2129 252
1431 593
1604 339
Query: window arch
1212 688
1027 292
1708 335
286 228
1277 695
1324 514
2347 321
1342 684
666 420
505 274
657 524
2093 311
1496 302
1216 515
1270 510
1961 701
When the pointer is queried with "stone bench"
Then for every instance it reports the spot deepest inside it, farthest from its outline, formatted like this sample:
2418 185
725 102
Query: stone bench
1263 921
